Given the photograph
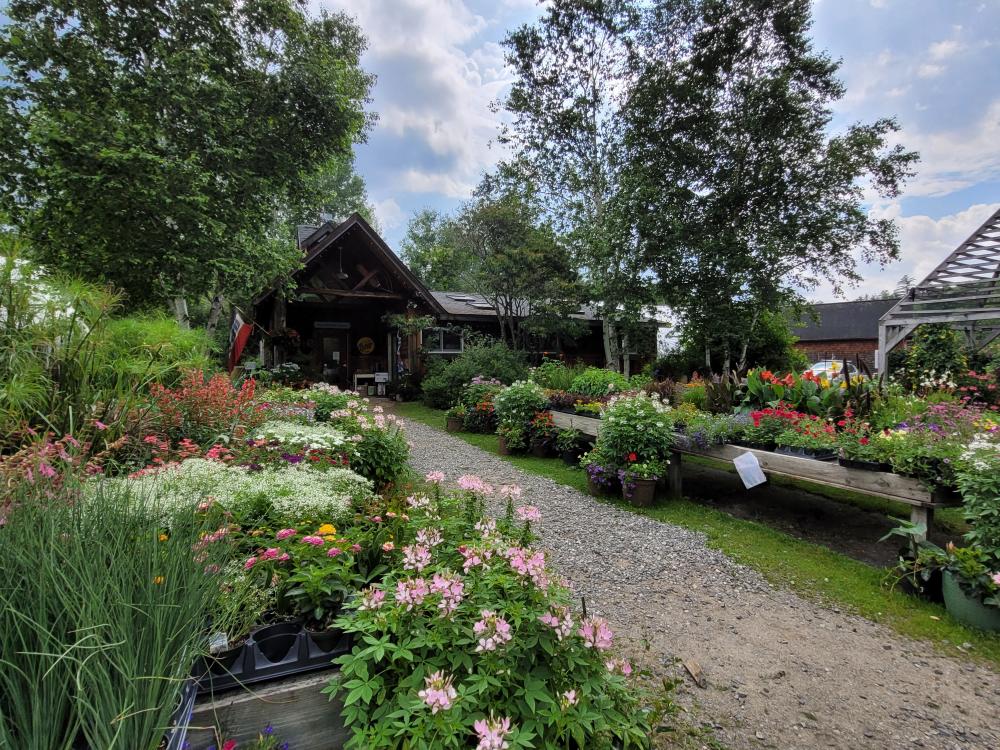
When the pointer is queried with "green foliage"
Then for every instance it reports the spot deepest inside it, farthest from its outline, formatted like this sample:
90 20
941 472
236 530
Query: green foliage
635 429
480 639
430 250
597 382
101 618
446 379
979 482
66 363
215 123
518 404
556 375
936 356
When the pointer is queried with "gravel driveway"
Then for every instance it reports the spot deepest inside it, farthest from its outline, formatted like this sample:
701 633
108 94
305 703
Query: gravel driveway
782 672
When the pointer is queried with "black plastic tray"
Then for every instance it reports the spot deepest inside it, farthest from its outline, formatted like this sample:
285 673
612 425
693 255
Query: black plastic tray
252 666
181 719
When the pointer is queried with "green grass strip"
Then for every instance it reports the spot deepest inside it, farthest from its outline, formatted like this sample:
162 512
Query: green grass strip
811 570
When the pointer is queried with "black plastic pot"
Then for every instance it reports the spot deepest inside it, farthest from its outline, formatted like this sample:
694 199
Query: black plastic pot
324 640
222 662
855 463
570 458
275 641
785 450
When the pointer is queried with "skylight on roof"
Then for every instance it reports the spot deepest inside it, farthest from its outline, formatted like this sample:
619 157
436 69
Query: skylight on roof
481 305
461 297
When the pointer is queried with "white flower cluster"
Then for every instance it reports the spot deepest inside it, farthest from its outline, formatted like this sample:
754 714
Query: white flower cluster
316 436
639 400
983 453
933 380
293 491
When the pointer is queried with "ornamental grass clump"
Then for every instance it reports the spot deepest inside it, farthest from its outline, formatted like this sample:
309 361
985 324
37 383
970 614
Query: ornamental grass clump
477 646
103 611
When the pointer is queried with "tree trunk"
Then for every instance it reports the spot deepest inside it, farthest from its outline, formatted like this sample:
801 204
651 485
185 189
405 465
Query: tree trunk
180 310
214 313
725 360
708 359
606 328
742 364
626 359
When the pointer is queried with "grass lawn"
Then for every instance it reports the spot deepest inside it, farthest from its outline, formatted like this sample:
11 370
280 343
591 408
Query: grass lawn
812 570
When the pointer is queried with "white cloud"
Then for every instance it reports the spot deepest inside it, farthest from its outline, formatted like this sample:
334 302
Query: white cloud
389 214
437 80
955 159
924 242
944 49
930 70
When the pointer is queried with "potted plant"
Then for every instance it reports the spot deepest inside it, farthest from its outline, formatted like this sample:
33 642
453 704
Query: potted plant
808 438
860 448
542 434
639 482
602 473
915 572
588 408
513 439
455 418
242 604
970 584
568 446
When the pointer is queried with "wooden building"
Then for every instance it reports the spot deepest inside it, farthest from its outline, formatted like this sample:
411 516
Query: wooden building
842 330
338 324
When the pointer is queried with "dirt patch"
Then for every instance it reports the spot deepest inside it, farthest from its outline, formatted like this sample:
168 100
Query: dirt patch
835 524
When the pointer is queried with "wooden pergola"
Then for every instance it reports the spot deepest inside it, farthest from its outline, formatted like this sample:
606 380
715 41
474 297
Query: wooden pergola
964 291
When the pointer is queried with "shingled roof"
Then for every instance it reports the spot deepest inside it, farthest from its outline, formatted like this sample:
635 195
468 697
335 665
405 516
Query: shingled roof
469 306
841 321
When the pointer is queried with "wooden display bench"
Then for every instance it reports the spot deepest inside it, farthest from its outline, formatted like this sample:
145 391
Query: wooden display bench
877 483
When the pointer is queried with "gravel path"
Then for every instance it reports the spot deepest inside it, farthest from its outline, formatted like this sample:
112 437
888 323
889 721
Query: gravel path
782 672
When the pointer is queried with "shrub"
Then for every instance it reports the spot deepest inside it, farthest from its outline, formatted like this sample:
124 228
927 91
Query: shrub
634 429
154 346
979 482
445 657
205 411
518 403
445 380
596 382
556 375
936 355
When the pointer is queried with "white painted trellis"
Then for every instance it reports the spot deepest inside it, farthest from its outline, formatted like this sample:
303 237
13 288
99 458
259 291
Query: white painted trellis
964 291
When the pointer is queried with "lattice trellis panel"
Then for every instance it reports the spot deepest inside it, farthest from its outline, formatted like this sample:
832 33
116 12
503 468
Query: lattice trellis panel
963 290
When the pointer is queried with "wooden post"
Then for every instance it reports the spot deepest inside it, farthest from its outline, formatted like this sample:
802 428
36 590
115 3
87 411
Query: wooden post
922 514
674 482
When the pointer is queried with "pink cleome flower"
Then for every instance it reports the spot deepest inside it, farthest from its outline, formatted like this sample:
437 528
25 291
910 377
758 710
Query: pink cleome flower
509 492
438 692
491 733
472 483
569 698
560 620
416 557
529 513
372 598
412 592
492 630
452 591
596 633
526 563
996 578
620 666
429 537
434 477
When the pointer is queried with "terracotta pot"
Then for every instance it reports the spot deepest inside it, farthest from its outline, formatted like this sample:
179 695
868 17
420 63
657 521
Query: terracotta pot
969 610
453 424
643 492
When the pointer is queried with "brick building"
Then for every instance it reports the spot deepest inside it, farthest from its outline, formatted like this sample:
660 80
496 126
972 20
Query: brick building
839 330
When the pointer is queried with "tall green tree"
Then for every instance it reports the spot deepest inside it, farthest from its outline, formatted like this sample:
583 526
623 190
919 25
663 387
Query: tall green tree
432 251
738 192
520 268
572 71
151 143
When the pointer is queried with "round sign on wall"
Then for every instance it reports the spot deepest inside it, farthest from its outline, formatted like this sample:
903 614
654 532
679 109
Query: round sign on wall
366 345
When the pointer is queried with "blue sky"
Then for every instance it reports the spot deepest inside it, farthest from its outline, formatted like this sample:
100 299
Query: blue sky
934 64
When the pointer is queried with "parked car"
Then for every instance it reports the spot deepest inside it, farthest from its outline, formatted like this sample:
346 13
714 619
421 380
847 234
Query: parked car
832 368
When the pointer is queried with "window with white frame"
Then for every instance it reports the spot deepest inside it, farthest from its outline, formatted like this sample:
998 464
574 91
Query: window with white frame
443 341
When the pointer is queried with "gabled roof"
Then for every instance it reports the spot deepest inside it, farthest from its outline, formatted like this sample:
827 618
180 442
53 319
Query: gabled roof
471 306
841 321
316 243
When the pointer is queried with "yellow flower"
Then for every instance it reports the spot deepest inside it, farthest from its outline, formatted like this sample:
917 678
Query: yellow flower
163 537
326 528
330 538
257 532
158 580
825 382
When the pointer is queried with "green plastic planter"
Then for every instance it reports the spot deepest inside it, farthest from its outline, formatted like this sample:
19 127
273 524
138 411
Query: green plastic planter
969 610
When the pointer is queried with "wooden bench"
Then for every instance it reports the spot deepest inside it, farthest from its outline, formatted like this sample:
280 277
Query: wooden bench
877 483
